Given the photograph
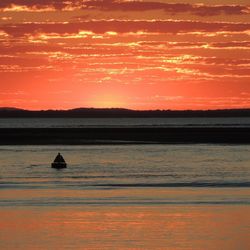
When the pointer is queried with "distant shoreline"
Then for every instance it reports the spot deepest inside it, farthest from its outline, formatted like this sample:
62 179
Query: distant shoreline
137 135
120 113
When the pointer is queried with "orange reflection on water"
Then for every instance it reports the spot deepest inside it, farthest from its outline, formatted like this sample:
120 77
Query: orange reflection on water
126 227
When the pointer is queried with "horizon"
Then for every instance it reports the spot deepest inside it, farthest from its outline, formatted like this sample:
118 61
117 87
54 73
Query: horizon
13 109
142 55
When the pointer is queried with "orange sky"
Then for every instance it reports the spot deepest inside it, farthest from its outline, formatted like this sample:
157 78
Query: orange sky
150 54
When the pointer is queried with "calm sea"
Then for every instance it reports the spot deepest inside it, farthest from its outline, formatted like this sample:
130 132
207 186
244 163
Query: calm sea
125 197
123 122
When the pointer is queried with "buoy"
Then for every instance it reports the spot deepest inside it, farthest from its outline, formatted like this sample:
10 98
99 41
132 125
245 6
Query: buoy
59 162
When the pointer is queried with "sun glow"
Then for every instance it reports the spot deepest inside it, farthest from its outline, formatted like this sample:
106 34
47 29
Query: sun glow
107 100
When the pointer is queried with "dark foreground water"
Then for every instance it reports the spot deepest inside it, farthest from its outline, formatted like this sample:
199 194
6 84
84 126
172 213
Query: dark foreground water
124 122
125 197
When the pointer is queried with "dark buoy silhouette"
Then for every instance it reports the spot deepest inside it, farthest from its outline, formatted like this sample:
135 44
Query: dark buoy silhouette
59 162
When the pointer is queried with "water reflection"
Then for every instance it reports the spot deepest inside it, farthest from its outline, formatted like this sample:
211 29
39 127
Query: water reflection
126 227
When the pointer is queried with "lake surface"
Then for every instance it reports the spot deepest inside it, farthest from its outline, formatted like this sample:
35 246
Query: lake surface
125 197
124 122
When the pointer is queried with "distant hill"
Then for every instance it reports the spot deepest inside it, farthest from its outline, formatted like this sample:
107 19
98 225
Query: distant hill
10 109
119 112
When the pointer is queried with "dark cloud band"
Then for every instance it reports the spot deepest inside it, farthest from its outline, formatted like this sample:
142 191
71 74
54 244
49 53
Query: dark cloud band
101 27
114 5
200 10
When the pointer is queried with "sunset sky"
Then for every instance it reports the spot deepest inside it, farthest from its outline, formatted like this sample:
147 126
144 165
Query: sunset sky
150 54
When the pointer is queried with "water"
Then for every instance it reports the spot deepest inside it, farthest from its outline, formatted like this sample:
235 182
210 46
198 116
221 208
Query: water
124 122
131 166
125 197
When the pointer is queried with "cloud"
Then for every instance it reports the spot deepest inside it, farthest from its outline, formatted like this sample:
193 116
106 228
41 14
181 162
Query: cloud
226 61
101 27
16 93
233 44
39 4
125 6
172 8
21 61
